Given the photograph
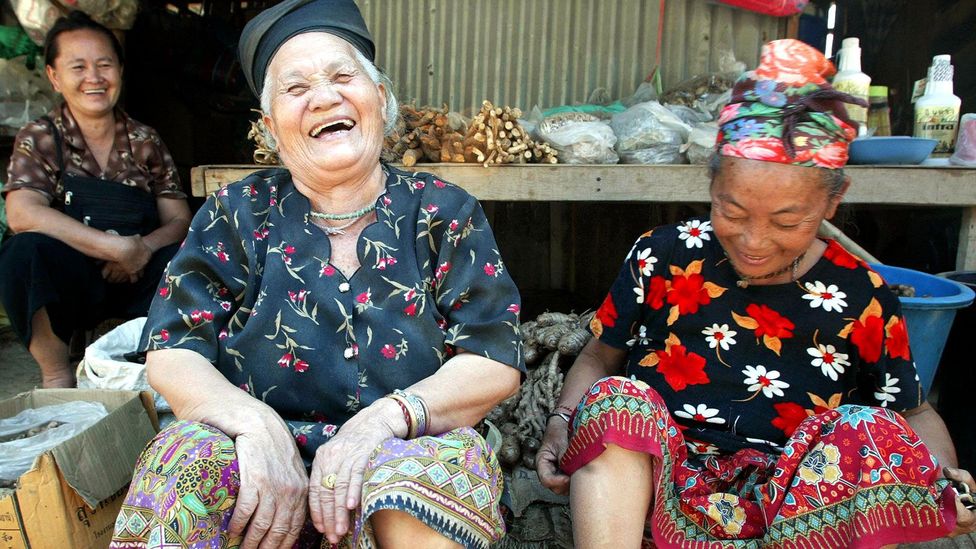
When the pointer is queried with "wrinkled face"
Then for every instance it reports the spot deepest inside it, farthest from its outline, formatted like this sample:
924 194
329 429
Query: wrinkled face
326 113
766 214
86 72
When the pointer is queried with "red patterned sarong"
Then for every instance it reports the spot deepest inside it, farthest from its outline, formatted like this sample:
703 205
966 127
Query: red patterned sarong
854 476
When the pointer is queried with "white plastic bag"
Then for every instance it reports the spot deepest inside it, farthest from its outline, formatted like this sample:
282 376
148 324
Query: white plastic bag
965 154
114 14
701 143
17 456
37 17
105 366
579 141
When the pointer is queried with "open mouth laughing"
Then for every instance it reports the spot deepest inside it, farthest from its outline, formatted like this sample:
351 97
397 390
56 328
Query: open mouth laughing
332 127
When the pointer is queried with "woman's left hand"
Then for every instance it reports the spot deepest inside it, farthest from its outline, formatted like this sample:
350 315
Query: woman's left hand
965 518
346 456
115 273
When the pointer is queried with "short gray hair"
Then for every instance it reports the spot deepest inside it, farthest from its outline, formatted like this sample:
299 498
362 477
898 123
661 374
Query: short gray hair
375 74
832 180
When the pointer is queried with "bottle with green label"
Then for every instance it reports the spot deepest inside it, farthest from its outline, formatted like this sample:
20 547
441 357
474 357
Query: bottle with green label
937 112
851 80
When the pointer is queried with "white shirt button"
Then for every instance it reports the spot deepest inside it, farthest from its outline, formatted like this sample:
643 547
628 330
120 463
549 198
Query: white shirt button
344 287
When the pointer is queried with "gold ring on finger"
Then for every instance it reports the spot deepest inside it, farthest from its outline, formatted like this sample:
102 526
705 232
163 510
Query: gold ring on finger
328 482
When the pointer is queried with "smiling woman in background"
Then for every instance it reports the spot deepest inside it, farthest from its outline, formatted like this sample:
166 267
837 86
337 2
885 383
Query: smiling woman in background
94 199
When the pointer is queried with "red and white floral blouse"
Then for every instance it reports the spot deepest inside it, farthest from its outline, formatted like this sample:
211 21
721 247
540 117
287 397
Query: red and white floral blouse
741 367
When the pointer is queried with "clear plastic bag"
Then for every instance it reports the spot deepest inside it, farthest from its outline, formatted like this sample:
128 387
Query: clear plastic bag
707 93
688 115
25 94
644 92
580 141
965 154
649 133
646 125
701 143
661 154
18 454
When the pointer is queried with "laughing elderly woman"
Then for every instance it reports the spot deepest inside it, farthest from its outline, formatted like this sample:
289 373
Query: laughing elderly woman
329 332
770 397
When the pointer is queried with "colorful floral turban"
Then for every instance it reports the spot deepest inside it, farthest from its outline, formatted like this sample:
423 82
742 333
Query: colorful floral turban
786 112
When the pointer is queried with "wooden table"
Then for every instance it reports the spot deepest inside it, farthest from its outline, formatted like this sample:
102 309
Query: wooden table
889 185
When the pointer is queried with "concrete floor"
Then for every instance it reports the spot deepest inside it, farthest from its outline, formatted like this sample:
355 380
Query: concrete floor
19 373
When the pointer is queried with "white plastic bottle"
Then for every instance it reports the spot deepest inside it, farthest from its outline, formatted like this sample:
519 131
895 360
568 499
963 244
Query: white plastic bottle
937 112
849 79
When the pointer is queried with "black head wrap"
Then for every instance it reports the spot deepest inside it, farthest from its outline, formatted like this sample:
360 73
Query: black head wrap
263 35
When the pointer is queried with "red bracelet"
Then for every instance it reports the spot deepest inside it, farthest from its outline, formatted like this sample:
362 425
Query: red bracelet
406 414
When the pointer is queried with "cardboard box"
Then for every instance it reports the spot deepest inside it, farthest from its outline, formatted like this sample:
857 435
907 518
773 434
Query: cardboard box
72 494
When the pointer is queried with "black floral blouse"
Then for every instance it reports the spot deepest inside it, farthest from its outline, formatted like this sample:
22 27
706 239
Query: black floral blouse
742 367
252 290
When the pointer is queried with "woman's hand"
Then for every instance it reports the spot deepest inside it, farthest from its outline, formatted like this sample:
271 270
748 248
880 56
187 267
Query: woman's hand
346 456
270 508
132 256
554 443
965 518
114 273
271 500
597 360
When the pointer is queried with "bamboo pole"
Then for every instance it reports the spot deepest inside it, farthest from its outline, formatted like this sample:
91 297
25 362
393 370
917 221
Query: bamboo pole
829 230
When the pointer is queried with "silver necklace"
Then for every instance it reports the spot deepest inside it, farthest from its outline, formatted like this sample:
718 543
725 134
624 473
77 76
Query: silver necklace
341 229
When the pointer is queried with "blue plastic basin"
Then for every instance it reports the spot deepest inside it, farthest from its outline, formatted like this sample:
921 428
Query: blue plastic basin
929 315
897 149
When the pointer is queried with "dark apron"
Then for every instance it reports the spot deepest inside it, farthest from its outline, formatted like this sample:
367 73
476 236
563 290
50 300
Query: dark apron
103 204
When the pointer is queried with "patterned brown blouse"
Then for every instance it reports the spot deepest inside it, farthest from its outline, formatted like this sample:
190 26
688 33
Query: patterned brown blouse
139 157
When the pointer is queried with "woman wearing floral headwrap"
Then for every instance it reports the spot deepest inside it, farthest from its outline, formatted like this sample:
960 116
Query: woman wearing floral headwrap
770 398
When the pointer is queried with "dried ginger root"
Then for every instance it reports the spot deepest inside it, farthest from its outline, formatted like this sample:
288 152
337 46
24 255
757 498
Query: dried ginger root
537 397
548 319
263 154
572 342
556 338
427 134
495 137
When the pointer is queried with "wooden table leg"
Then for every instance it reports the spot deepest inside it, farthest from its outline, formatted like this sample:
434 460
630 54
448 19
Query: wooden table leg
966 254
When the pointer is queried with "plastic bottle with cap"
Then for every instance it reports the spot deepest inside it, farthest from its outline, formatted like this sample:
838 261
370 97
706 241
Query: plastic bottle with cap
937 112
849 79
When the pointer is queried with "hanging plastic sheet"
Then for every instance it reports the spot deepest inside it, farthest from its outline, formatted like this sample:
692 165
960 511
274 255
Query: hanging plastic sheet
778 8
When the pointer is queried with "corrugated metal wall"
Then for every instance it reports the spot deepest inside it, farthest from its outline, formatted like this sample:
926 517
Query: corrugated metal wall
550 52
697 32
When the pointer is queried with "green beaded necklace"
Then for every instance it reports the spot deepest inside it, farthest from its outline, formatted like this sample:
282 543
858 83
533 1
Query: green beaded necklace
342 217
351 217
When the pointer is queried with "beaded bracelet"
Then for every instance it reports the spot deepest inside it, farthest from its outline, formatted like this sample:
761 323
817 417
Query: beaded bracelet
564 408
419 409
